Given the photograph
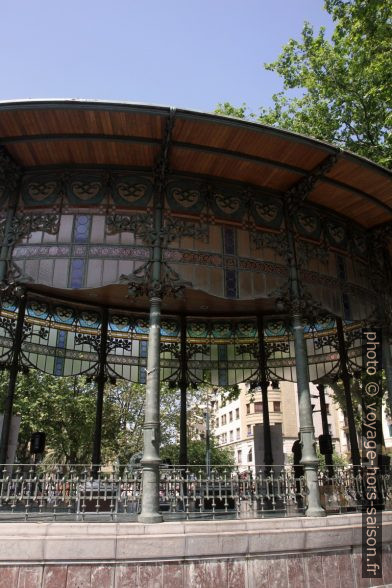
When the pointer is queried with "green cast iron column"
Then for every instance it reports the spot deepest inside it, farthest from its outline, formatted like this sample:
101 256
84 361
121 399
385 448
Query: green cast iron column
345 376
308 442
268 459
13 374
183 391
96 457
151 435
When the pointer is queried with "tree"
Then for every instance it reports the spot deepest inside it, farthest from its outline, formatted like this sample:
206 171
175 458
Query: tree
125 419
220 456
64 408
342 86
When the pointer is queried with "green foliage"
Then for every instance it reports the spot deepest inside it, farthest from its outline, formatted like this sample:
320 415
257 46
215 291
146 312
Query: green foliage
64 408
337 460
197 454
342 86
124 420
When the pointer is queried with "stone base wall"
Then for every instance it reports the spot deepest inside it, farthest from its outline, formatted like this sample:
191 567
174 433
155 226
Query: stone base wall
303 553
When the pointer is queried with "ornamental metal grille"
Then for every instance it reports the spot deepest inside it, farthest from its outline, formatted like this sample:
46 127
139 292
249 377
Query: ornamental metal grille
63 339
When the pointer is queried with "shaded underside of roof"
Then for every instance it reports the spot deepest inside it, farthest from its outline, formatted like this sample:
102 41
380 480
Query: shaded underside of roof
39 134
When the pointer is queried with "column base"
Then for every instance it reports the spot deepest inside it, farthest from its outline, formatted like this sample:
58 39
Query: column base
150 518
315 512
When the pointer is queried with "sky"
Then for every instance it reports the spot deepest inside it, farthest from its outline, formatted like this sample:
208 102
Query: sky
183 53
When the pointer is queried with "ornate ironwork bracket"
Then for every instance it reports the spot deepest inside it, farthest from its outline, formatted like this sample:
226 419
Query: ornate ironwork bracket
23 225
139 224
13 284
10 172
174 228
94 341
296 195
140 282
304 304
276 241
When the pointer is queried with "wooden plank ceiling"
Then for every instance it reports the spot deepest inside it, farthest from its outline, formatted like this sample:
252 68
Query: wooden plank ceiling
43 133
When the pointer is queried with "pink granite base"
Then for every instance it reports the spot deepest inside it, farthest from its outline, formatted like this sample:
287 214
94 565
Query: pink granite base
290 571
281 553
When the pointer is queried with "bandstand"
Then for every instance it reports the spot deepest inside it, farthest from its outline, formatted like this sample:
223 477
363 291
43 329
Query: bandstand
159 244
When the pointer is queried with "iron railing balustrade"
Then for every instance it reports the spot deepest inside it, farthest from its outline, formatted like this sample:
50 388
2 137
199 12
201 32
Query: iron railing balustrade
86 492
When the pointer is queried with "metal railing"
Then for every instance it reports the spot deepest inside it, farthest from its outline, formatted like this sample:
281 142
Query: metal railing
82 492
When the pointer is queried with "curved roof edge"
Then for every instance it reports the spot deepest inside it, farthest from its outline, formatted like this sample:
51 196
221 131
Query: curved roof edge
84 103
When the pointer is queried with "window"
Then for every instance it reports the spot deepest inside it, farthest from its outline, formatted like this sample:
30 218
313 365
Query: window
258 407
250 455
231 436
217 422
249 430
237 413
223 420
327 409
276 406
275 385
238 434
248 409
239 456
231 416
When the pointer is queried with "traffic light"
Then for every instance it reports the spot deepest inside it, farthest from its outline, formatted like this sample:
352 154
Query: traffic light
325 442
37 443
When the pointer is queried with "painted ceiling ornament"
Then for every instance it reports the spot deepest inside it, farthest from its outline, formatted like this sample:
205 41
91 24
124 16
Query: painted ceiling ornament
307 222
85 188
336 233
227 203
185 197
267 211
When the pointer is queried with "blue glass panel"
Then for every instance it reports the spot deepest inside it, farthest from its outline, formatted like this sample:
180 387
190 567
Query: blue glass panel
81 228
229 245
76 277
59 361
222 378
143 349
231 283
222 352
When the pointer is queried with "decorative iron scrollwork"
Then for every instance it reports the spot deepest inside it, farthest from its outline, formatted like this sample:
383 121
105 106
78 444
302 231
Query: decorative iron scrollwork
139 224
141 282
10 173
296 195
23 225
276 241
175 228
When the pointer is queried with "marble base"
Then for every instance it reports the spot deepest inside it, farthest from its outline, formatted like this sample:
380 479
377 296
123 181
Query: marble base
293 552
